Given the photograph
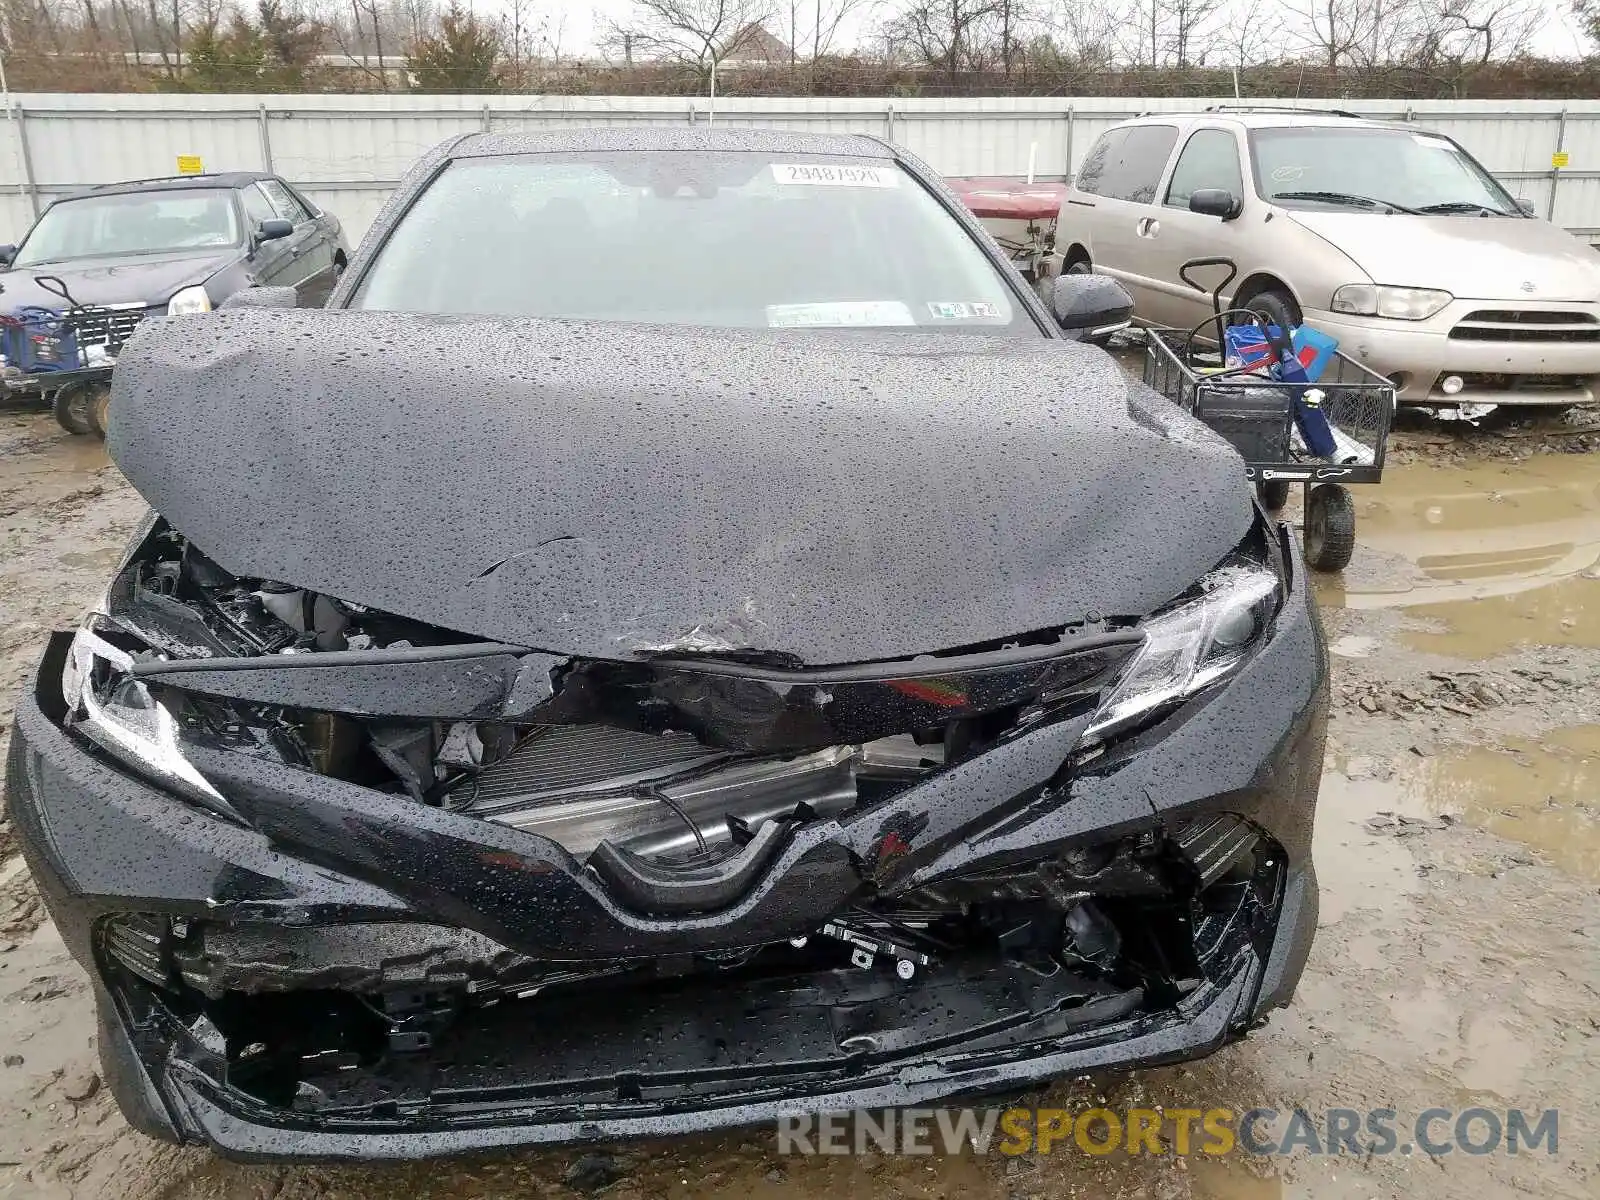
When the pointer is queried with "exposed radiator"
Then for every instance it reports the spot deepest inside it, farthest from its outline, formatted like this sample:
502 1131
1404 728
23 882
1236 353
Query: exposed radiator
669 795
559 760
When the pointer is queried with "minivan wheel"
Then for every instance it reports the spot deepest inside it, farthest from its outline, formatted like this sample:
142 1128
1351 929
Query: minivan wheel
1278 306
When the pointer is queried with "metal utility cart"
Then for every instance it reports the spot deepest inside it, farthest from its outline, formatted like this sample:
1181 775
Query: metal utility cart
1257 415
65 357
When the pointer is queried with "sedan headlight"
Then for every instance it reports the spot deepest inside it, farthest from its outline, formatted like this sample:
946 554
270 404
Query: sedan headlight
1192 644
1379 300
118 713
189 301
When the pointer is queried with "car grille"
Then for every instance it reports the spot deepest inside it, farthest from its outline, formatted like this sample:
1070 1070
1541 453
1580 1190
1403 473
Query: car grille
1503 382
107 326
1526 325
139 941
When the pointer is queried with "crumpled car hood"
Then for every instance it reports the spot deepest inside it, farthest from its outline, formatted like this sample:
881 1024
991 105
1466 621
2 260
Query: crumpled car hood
604 490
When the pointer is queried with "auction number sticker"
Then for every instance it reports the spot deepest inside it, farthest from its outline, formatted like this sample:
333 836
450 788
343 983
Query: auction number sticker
836 313
829 175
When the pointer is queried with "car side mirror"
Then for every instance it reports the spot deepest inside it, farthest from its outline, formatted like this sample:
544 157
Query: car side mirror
272 229
1090 306
1215 202
1524 206
7 253
262 297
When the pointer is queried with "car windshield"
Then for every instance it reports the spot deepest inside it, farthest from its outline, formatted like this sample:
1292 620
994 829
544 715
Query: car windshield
132 223
1370 168
727 240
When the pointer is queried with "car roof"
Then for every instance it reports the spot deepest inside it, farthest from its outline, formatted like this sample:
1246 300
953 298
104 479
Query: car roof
173 183
732 139
1264 118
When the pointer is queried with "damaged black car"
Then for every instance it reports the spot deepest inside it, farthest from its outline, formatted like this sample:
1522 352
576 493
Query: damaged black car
684 638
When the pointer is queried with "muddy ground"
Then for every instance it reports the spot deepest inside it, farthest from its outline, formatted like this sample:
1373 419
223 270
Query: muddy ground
1458 842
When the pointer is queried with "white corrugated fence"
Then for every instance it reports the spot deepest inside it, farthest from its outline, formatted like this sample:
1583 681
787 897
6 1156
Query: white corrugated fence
347 152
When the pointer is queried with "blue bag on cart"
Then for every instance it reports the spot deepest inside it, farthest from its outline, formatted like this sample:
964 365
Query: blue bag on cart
1298 359
38 340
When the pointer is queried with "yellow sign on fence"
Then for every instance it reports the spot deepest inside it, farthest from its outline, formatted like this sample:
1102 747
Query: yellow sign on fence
1559 159
190 164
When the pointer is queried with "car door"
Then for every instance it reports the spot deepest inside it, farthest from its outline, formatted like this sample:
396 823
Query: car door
271 263
1124 171
1210 158
312 275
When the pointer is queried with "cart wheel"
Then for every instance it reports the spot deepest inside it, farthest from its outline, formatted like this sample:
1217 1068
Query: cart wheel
1330 527
99 408
71 406
1273 493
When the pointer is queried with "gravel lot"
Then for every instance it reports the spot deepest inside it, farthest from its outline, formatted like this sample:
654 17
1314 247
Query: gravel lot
1458 844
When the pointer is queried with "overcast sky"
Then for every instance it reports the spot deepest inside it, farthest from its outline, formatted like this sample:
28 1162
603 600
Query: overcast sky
1558 37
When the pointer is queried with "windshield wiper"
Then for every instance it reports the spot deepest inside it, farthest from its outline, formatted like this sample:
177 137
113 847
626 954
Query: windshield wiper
1463 206
1345 198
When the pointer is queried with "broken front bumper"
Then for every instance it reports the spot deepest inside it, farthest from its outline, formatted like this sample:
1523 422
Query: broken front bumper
214 945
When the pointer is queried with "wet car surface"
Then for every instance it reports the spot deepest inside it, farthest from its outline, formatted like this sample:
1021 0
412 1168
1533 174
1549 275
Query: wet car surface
608 775
1451 965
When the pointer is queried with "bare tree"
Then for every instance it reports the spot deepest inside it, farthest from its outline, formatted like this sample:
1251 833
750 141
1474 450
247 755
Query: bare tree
697 34
1085 32
1342 32
1247 38
361 30
555 34
522 31
952 35
1443 35
1194 28
813 28
417 19
361 9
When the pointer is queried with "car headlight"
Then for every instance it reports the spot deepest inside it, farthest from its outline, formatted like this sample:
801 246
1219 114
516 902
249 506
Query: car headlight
1379 300
118 713
189 301
1193 644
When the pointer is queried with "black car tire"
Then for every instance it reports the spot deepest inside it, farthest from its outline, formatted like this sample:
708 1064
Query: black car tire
1330 527
1278 306
71 408
1273 493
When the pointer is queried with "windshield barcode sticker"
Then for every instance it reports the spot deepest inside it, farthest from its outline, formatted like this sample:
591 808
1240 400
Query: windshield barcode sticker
846 312
829 175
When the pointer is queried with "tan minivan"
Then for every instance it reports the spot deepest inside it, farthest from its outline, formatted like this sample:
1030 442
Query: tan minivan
1389 237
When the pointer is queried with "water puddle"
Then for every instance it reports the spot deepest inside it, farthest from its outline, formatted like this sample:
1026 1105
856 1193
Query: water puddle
1230 1179
1499 554
1357 868
47 463
1354 646
1544 794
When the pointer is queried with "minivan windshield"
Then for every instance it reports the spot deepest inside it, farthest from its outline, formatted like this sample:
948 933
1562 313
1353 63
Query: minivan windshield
1373 169
726 240
132 223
